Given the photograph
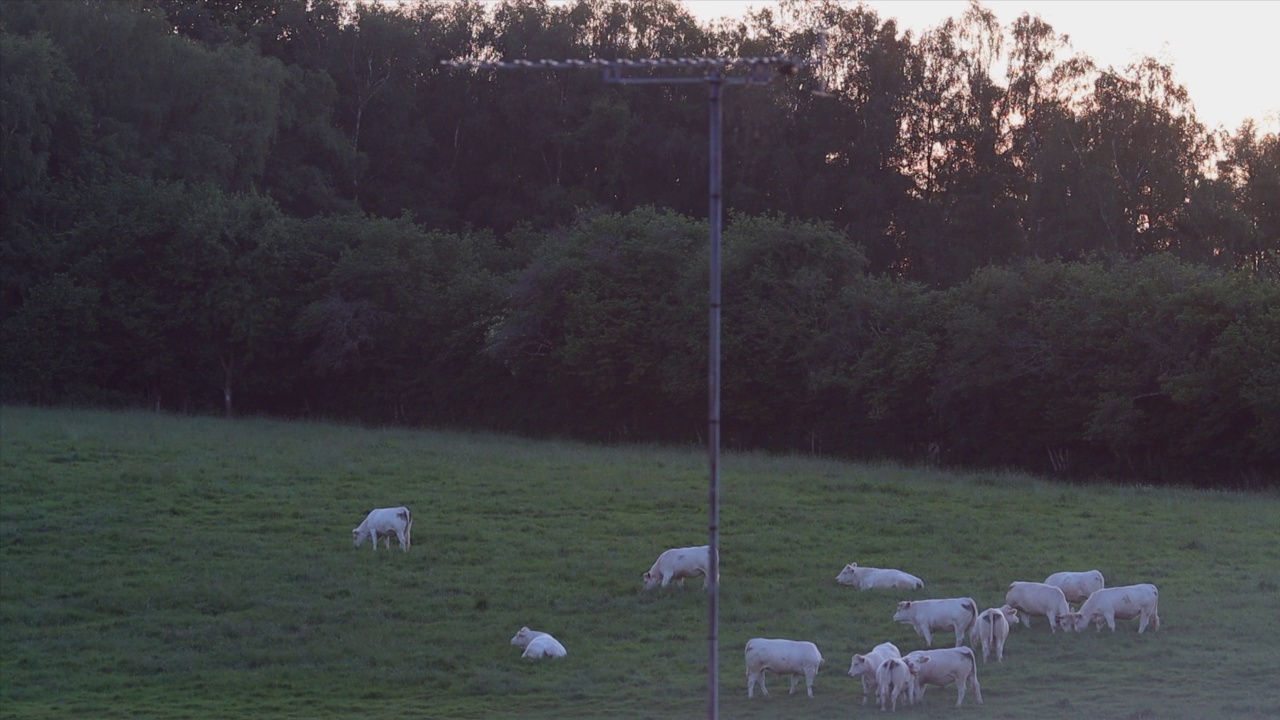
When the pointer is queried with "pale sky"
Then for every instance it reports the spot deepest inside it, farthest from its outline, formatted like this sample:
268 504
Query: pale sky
1225 52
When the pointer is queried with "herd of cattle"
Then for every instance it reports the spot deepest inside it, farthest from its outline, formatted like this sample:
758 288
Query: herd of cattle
883 669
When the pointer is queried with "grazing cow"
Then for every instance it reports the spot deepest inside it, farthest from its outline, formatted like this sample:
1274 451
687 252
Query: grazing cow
1033 598
865 666
1077 586
677 564
782 657
992 628
1125 603
893 678
942 667
385 522
929 615
869 578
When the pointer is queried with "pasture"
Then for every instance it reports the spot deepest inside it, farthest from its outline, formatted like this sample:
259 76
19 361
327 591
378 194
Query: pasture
168 567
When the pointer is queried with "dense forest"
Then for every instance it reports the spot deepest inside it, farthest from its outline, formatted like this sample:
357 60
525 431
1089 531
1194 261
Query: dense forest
971 246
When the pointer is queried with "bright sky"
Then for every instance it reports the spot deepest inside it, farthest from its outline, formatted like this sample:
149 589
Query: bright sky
1225 52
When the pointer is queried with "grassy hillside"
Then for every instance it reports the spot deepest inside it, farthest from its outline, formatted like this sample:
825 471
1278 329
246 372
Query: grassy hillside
169 567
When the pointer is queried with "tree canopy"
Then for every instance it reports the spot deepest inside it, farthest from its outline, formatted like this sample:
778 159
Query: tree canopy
973 246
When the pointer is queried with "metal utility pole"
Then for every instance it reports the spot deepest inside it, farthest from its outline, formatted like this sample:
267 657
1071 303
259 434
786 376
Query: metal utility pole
715 73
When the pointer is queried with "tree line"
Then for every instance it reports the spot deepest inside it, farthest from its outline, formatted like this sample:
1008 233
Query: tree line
972 246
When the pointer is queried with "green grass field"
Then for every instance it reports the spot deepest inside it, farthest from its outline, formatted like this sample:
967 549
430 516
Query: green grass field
169 567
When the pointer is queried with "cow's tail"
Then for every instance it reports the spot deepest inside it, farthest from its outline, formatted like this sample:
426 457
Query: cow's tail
973 661
985 630
972 607
407 515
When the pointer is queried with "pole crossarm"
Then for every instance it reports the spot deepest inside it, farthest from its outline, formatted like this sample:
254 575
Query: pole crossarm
758 70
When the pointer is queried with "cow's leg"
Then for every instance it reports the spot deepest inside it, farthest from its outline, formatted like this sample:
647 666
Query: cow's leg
1142 623
751 683
808 678
1111 621
404 541
927 633
1053 623
866 688
959 635
794 679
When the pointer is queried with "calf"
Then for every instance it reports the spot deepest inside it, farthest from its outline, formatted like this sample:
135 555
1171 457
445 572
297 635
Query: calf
926 616
385 522
865 666
869 578
677 564
1033 598
992 628
783 657
942 667
544 646
1125 603
537 644
893 678
1077 586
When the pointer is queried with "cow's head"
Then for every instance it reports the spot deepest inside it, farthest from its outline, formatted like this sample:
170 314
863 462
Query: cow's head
357 537
859 666
849 575
651 581
903 611
521 638
1010 613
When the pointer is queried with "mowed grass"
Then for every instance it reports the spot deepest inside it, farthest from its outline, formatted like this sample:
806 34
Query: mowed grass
168 567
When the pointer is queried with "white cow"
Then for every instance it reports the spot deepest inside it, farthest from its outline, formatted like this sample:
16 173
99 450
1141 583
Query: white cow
544 646
538 644
1077 586
926 616
782 657
992 629
865 666
942 667
1125 603
893 678
677 564
1033 598
383 523
869 578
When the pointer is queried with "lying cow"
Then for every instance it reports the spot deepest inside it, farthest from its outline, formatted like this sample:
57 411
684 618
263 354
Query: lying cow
1124 603
942 667
538 644
1033 598
893 678
677 564
992 629
1077 586
869 578
865 666
383 523
782 657
925 616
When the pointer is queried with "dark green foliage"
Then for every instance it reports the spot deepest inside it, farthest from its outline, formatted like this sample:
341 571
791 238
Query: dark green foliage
291 207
